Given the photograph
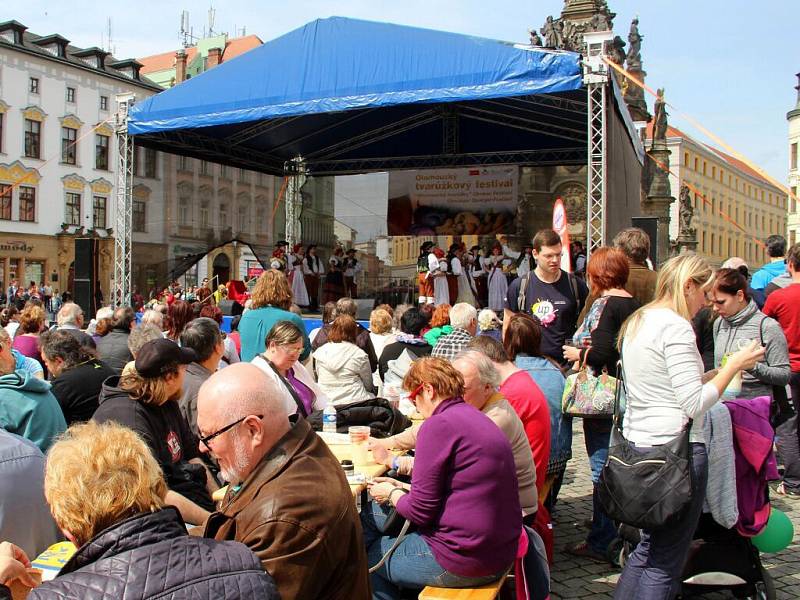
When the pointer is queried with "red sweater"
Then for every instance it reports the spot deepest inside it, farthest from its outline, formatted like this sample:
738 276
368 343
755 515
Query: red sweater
531 406
784 306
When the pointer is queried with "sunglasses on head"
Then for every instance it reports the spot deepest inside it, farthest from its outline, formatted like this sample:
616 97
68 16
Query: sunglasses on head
412 397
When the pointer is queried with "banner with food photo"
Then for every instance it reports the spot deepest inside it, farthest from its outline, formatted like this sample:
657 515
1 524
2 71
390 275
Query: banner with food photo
468 201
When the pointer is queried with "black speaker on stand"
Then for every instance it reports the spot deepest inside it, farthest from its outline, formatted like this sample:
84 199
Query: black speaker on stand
85 275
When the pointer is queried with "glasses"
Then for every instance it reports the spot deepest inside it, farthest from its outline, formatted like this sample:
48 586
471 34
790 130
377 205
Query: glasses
412 397
286 349
206 439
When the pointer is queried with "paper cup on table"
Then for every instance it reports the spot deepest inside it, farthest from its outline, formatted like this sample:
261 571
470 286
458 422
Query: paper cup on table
359 435
20 591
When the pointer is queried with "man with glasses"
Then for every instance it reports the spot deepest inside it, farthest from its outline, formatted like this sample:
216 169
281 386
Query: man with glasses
553 296
288 499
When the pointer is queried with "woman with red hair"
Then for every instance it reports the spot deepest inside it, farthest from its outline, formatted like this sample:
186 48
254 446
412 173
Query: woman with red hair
595 345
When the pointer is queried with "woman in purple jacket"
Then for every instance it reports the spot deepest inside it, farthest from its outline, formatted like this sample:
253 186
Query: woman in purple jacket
462 499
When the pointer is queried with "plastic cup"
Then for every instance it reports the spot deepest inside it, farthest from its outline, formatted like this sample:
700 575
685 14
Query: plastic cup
359 436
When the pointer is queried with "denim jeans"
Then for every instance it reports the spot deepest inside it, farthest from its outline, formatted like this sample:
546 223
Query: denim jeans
788 441
653 570
412 564
596 433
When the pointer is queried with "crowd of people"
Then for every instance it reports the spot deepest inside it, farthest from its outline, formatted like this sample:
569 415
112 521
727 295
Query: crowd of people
118 434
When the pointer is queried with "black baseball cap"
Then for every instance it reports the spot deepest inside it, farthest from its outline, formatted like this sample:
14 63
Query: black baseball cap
158 356
427 246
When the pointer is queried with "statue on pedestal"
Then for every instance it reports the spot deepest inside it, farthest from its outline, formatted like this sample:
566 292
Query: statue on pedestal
685 214
552 33
535 39
634 57
660 118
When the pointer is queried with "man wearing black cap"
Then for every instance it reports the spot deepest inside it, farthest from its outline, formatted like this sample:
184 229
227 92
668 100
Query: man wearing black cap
146 401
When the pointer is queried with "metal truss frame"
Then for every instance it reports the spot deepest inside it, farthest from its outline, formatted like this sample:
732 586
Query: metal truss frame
596 201
123 230
296 171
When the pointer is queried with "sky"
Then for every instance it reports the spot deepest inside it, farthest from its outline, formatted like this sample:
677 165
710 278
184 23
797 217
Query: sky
730 64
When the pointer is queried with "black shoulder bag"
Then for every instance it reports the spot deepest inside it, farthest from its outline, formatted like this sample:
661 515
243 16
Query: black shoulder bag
780 409
647 488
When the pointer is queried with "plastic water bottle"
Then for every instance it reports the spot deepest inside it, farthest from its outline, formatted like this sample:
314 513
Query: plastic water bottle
329 419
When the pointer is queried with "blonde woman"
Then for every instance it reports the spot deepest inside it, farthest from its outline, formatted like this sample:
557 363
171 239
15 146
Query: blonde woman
272 299
106 493
663 373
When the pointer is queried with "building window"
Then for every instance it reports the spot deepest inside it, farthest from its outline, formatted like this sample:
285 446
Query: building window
2 116
183 211
204 215
139 215
99 212
793 156
5 202
71 95
223 215
243 218
223 171
73 209
27 203
69 140
33 138
33 86
101 152
150 163
103 102
204 167
242 175
794 200
184 163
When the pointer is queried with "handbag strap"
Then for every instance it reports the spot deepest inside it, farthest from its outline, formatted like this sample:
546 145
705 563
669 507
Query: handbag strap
300 407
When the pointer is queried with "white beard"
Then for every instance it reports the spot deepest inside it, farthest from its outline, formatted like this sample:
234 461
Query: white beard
236 473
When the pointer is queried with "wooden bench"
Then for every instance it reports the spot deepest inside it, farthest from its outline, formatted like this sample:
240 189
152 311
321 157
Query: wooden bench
484 592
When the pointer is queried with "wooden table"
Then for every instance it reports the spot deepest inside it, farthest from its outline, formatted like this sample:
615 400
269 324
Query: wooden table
371 469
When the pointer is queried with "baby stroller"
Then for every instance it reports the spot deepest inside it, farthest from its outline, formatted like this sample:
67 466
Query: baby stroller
719 559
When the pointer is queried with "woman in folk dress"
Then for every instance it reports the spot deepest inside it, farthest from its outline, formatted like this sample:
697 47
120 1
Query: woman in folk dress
459 269
498 284
441 291
299 291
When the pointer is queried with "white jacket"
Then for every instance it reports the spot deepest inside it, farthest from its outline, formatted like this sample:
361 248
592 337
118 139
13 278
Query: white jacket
343 372
302 374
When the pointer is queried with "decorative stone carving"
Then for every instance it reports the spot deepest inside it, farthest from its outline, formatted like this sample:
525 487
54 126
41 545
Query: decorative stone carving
685 214
535 39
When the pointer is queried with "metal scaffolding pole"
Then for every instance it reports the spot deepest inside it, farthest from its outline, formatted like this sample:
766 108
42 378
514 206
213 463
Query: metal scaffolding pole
596 77
296 171
121 293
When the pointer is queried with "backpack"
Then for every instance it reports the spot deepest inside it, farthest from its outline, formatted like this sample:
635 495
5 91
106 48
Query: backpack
573 286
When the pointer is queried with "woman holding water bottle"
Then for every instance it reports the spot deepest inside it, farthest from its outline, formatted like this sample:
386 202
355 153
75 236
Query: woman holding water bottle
741 323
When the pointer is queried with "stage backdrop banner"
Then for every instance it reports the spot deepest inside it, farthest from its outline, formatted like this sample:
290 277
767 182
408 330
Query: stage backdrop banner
468 201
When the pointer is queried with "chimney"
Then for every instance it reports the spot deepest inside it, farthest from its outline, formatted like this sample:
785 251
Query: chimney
214 57
180 66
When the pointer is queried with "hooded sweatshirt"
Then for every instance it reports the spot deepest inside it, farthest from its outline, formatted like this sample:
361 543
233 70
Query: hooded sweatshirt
343 372
751 324
29 409
767 273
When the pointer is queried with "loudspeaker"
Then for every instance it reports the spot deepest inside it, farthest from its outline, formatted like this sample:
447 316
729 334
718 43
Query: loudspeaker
85 274
365 307
650 226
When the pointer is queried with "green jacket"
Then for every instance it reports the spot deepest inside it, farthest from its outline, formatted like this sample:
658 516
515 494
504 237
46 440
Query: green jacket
29 409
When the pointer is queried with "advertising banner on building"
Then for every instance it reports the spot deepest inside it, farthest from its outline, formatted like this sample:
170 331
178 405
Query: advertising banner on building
463 201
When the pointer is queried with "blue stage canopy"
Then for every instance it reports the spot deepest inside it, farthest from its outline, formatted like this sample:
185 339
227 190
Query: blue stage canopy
340 64
354 96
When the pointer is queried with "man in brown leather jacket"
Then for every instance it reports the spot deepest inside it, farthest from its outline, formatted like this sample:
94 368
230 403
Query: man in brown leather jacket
288 499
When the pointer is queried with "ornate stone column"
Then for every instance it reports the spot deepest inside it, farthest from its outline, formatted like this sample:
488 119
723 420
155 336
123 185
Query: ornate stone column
658 199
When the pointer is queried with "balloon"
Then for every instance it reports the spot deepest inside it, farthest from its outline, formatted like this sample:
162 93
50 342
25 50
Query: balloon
778 533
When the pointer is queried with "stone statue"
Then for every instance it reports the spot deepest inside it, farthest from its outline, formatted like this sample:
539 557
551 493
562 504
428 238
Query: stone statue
599 22
634 57
552 33
685 214
616 51
660 117
535 39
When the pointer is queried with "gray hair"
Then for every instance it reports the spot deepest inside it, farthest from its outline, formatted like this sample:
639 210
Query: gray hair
141 335
346 306
487 373
201 335
462 314
68 315
153 317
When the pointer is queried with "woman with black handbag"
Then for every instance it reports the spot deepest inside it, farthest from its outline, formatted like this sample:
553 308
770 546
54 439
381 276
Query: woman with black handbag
662 373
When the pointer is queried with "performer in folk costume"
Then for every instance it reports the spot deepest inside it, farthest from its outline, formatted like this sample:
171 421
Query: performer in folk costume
452 276
299 291
478 273
351 270
334 280
497 282
525 263
278 259
423 273
468 263
459 268
438 270
313 270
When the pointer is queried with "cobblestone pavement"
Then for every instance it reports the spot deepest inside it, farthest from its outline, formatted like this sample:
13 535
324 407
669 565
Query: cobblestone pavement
574 577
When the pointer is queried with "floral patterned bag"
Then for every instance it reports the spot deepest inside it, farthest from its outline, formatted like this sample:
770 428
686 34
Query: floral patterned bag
587 394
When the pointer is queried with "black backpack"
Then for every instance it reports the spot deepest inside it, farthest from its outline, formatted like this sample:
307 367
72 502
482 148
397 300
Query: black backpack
573 286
